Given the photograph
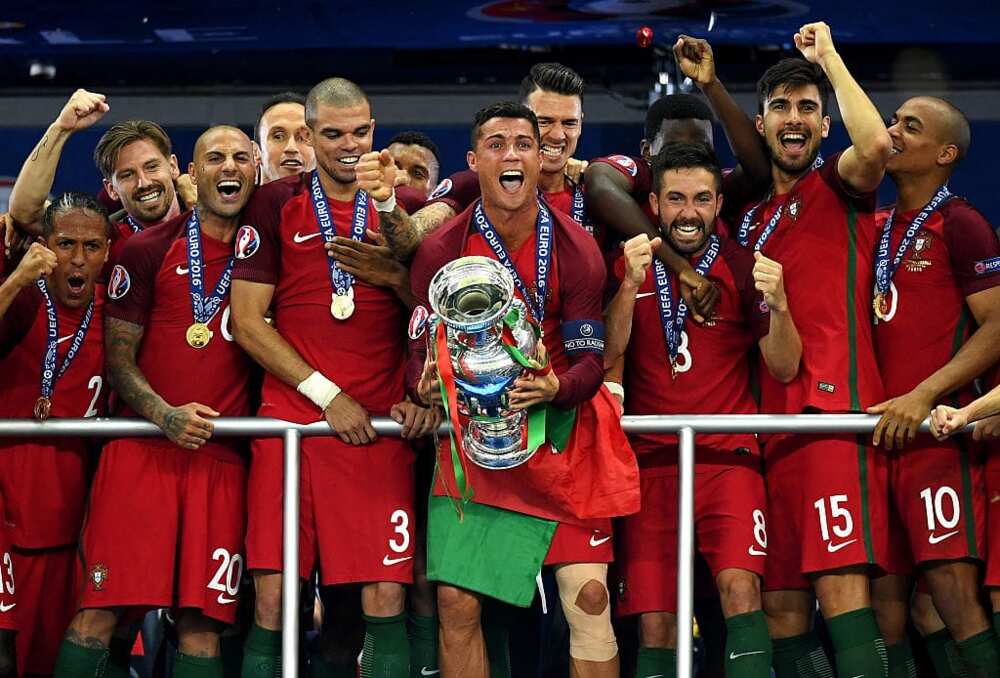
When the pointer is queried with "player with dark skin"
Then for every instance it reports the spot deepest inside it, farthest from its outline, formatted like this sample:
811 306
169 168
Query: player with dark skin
608 199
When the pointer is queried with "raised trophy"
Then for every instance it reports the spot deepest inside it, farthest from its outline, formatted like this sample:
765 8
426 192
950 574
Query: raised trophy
485 324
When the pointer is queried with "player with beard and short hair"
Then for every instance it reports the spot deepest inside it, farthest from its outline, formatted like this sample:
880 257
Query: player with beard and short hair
929 264
711 374
830 490
134 158
555 93
418 160
168 341
555 508
359 530
280 136
51 311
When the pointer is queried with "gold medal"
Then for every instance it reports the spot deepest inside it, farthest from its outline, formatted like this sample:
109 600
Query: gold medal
198 335
342 306
43 407
880 306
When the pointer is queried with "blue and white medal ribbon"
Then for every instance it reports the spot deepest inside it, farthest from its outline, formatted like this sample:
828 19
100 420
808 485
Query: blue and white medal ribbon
543 255
884 271
578 209
202 309
132 223
342 303
674 326
743 234
50 375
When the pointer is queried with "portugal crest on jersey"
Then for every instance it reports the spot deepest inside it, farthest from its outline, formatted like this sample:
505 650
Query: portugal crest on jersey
795 207
119 283
247 242
98 576
917 261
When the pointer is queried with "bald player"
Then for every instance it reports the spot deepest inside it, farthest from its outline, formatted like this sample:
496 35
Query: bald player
937 297
172 360
417 159
280 135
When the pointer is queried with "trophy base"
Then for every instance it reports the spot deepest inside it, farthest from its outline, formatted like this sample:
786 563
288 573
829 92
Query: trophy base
497 444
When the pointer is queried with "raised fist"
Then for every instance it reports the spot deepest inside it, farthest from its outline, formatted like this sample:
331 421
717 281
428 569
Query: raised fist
815 42
37 262
376 174
769 279
82 110
639 257
695 58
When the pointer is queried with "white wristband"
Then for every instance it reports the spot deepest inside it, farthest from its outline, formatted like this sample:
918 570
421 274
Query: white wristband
615 388
387 205
318 389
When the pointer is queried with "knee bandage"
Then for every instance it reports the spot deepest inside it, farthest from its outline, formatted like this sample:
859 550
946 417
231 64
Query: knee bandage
591 637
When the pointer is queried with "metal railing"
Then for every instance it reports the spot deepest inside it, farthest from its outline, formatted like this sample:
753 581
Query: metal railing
686 426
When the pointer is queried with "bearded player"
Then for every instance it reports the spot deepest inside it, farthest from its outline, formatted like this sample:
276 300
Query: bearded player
134 157
336 353
710 369
818 221
928 264
51 316
172 360
538 512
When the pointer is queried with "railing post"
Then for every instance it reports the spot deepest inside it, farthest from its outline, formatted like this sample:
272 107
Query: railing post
290 559
685 553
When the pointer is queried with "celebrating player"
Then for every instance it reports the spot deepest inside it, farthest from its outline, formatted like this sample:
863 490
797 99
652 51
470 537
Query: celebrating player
336 353
172 360
52 359
418 161
818 221
710 374
280 135
540 511
930 263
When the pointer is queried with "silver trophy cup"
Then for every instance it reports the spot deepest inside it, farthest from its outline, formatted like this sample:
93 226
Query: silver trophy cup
472 296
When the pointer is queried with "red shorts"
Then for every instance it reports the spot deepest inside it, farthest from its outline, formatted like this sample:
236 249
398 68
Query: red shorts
830 494
578 544
48 587
730 529
938 492
165 528
355 510
8 586
993 517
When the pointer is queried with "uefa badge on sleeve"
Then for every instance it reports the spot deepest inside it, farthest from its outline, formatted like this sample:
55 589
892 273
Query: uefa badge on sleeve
119 283
418 322
247 242
442 189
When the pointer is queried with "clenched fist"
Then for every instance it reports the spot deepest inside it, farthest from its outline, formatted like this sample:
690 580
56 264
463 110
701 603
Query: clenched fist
639 257
376 174
38 262
695 58
82 110
815 42
769 279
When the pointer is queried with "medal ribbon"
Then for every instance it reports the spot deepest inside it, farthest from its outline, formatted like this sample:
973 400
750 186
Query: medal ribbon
543 255
132 223
743 235
203 309
342 281
883 271
578 210
672 327
49 374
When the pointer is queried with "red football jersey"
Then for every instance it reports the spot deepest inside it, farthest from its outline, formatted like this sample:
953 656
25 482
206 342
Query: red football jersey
43 481
713 361
150 287
825 243
928 320
365 354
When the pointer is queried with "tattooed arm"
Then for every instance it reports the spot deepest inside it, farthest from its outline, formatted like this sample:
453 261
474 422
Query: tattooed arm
184 425
404 233
31 190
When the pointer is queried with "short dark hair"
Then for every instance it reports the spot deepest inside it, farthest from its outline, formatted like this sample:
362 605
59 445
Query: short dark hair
792 72
679 155
504 109
551 77
678 106
72 201
274 100
121 135
415 138
336 92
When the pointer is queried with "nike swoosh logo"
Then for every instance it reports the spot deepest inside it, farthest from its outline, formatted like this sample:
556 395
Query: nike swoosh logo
735 655
424 671
7 608
387 561
302 238
640 295
834 548
62 339
598 542
656 675
225 601
181 270
937 539
756 552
